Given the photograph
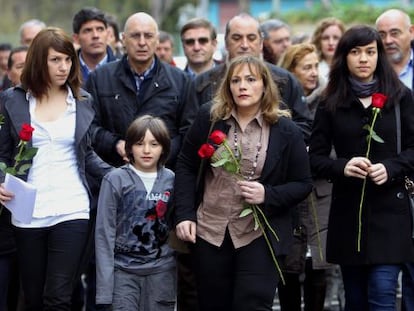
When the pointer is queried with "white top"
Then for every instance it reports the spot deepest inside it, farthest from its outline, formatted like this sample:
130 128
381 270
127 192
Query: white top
61 195
148 179
324 69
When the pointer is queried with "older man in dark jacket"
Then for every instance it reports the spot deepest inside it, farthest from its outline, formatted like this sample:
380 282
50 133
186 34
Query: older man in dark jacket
138 84
243 36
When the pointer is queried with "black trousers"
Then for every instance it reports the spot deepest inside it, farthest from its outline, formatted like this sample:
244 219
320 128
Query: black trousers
314 289
229 279
49 258
186 283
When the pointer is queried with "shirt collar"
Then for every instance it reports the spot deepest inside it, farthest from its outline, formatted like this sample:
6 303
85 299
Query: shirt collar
70 99
102 62
258 117
146 73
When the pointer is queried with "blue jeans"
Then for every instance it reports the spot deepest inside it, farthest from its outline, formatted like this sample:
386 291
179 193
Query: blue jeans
408 287
370 287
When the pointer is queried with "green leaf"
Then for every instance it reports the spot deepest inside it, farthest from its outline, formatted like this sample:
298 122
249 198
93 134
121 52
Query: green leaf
366 127
29 153
246 212
3 166
218 163
377 138
18 157
22 169
231 167
10 170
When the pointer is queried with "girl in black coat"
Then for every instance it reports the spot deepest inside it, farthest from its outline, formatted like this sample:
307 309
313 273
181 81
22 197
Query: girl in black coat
369 260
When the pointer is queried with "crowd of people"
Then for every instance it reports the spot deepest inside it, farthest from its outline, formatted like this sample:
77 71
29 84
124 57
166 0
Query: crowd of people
282 170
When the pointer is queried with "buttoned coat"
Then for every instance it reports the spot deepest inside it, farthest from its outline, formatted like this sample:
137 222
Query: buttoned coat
386 220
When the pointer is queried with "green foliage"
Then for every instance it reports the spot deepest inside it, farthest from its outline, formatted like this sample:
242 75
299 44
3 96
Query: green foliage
59 13
355 13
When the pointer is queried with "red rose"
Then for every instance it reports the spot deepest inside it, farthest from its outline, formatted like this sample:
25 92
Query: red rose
217 137
26 132
161 208
206 151
378 100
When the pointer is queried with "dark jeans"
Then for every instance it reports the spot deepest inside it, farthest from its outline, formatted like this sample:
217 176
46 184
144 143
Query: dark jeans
49 258
370 287
228 279
408 287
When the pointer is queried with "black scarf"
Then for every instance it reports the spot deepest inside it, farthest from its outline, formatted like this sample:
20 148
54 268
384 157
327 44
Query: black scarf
363 89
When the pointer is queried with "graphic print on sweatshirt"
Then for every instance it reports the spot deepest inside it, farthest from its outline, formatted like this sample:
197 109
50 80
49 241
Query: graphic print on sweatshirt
142 224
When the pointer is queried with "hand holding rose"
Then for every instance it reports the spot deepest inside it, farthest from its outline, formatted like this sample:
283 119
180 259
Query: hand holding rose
357 167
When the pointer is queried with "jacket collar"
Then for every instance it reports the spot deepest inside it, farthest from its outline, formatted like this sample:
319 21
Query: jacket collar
20 114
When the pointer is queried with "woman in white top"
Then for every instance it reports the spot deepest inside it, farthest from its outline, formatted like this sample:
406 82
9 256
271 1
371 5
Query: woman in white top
326 37
51 101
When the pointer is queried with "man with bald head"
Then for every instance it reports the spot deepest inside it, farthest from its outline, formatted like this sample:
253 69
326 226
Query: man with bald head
243 37
396 31
137 84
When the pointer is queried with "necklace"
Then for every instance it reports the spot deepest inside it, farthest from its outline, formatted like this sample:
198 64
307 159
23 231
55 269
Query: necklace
238 155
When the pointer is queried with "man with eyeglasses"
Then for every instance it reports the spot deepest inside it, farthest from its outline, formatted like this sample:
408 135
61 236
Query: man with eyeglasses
243 37
397 33
199 39
137 84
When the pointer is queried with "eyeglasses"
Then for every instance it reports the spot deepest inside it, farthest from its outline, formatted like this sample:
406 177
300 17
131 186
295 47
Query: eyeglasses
137 35
191 41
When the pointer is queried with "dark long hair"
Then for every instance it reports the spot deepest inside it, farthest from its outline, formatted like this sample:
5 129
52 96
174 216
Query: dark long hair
338 91
35 76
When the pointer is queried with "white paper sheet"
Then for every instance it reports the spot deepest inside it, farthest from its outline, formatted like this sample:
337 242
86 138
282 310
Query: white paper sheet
22 205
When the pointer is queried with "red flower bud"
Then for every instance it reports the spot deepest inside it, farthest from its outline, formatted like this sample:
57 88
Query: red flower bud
26 132
217 137
378 100
206 151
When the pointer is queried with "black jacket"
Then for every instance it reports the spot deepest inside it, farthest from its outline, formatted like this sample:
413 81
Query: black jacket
117 104
207 83
286 174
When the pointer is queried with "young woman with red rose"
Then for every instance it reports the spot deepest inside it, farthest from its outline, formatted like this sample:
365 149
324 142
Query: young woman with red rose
50 247
369 231
135 267
233 264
